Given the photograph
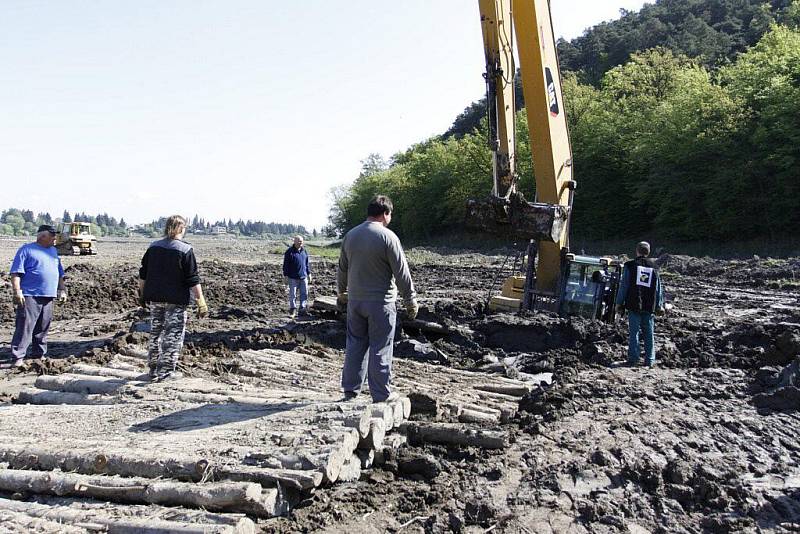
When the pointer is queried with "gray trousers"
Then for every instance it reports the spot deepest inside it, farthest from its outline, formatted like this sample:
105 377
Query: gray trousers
33 322
167 328
370 345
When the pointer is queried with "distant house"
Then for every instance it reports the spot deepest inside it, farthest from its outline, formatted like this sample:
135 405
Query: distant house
218 230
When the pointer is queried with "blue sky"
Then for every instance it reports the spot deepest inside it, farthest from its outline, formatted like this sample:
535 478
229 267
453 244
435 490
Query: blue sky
239 109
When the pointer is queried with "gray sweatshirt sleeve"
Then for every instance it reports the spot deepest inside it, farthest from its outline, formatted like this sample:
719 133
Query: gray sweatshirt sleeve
341 271
402 275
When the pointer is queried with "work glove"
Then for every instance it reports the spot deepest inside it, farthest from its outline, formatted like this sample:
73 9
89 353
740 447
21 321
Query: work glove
412 309
341 301
620 309
202 308
18 298
62 296
308 279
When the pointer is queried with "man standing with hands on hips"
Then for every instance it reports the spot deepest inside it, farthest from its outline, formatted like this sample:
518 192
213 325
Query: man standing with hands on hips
370 262
37 279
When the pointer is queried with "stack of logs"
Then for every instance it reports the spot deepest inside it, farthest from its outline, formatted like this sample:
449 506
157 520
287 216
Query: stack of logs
334 443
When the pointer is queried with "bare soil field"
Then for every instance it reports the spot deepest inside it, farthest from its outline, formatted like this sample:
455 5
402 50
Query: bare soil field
707 441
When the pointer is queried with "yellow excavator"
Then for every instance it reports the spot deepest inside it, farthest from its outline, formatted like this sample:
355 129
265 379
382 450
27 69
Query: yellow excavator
75 239
554 279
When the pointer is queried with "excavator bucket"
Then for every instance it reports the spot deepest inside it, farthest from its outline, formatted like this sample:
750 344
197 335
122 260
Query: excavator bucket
518 217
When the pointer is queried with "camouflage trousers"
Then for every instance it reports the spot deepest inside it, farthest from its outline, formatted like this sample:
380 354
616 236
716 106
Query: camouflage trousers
167 328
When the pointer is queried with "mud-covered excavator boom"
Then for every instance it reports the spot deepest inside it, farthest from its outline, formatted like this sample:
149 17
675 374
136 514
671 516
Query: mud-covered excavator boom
555 279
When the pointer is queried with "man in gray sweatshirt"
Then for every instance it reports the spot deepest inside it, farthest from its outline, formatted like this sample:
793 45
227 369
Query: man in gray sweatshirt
370 262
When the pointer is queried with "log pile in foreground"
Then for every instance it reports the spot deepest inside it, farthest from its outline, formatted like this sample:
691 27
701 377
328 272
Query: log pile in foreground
254 444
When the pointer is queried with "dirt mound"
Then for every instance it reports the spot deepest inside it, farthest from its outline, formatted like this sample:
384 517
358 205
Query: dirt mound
754 272
688 265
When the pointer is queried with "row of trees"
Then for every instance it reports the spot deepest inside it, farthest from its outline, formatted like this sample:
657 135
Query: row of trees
662 145
246 228
21 222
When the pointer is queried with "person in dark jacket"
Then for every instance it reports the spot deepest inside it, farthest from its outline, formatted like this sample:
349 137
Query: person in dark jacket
642 295
297 274
168 279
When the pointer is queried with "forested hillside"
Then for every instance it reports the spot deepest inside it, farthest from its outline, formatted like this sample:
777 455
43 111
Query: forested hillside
691 135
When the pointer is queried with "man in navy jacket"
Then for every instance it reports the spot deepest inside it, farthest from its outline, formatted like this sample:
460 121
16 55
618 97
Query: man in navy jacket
297 274
642 295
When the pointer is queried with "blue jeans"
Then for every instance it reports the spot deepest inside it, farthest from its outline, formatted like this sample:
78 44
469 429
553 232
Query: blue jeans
294 285
640 322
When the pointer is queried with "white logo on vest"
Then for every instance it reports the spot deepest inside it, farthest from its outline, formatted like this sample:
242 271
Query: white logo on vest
644 276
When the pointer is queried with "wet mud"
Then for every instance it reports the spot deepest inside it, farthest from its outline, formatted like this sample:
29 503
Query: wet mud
707 441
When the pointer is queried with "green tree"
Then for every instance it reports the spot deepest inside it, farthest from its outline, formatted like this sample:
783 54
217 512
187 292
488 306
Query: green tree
764 176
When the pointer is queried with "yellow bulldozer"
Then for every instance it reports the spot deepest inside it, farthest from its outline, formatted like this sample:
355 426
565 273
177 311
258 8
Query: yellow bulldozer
75 239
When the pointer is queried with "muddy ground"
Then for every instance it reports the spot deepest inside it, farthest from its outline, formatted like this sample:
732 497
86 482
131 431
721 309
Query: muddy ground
707 441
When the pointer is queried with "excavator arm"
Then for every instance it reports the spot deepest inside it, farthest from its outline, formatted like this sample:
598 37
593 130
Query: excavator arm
546 220
554 279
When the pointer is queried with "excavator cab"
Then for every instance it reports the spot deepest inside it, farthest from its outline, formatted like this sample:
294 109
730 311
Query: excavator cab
589 287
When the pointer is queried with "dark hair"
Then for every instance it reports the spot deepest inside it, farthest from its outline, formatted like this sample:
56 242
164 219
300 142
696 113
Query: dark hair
379 205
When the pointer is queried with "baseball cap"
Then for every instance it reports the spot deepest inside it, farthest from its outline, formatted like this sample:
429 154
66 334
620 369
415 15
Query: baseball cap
46 228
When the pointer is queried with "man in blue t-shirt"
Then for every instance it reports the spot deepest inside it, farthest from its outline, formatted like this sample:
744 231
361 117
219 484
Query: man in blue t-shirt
37 279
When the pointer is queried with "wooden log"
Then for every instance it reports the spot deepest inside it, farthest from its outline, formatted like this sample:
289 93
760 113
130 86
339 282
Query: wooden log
375 436
134 352
66 518
327 461
397 412
351 470
481 408
128 463
381 410
359 421
42 396
243 497
475 416
514 390
79 383
453 434
117 363
366 458
435 328
267 477
406 402
92 370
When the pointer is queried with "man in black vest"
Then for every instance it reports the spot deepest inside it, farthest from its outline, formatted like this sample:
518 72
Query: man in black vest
640 292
